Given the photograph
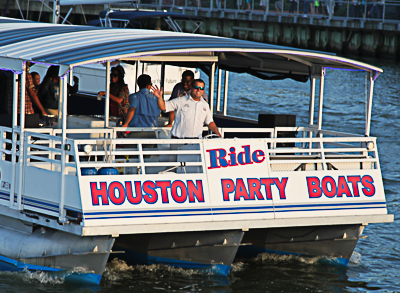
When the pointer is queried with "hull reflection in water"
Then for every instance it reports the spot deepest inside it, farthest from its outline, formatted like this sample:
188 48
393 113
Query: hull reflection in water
336 242
208 251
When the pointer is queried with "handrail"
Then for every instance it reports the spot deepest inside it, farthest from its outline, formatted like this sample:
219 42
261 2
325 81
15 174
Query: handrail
346 10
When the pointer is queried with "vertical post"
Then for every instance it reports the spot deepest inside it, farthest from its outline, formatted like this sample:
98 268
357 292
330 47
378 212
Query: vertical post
369 105
162 76
107 100
219 80
14 139
320 105
22 135
311 109
56 11
211 91
63 110
70 77
312 101
226 91
137 72
321 98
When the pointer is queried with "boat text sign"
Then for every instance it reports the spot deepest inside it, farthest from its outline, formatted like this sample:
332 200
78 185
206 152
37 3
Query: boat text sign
237 181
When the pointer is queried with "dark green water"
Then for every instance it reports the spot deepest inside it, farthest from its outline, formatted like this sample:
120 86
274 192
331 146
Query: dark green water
375 264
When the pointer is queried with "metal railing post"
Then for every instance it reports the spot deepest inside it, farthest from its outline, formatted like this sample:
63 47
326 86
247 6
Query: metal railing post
21 136
14 139
107 101
211 91
63 95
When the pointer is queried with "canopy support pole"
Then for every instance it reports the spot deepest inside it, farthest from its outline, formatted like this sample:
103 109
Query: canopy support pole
320 106
211 91
63 96
321 98
369 105
21 136
312 102
162 76
107 101
14 138
219 86
226 92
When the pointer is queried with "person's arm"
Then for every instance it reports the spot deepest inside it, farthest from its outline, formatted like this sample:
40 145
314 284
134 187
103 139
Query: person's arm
213 127
171 119
158 93
36 101
129 116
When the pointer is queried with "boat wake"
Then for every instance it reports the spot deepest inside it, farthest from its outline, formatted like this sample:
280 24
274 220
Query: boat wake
278 258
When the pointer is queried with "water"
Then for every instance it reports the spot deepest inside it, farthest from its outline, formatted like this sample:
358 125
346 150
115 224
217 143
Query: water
375 264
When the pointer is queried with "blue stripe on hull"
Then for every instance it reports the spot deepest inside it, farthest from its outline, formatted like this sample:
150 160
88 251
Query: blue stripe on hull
8 264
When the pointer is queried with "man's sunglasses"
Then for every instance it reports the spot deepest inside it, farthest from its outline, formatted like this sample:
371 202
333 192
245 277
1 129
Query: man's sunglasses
196 87
114 75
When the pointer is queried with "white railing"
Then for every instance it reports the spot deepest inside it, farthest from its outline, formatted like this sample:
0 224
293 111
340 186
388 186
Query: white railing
308 150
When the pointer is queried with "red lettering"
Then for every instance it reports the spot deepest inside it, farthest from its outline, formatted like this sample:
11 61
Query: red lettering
227 187
314 189
121 193
174 191
99 192
254 189
129 193
150 195
354 180
241 190
343 188
164 193
329 180
281 186
195 192
267 183
369 188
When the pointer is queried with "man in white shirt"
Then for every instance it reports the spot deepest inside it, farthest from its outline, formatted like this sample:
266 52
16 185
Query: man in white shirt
191 112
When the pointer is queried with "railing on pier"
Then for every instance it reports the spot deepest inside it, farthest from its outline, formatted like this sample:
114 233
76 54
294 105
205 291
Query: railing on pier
363 10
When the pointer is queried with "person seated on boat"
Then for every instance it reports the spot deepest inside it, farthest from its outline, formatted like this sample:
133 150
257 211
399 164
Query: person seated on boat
143 110
182 89
119 93
36 81
192 112
31 98
49 89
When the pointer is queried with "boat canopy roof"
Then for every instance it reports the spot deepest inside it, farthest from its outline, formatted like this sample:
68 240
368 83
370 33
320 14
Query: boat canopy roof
70 46
137 15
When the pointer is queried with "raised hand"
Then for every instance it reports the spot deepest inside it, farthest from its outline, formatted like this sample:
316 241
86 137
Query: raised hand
156 91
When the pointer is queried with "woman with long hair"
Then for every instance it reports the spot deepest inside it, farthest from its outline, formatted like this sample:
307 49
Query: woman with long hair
119 93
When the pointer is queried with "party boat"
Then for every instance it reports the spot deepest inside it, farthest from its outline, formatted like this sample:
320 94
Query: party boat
76 193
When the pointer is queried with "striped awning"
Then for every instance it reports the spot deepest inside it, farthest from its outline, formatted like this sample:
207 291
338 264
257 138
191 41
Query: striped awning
70 46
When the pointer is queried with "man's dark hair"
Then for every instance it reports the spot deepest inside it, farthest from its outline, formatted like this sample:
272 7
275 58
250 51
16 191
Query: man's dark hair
198 80
143 81
34 73
187 73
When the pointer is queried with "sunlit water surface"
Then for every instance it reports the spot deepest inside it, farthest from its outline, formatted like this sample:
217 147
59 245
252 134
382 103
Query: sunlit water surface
375 264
